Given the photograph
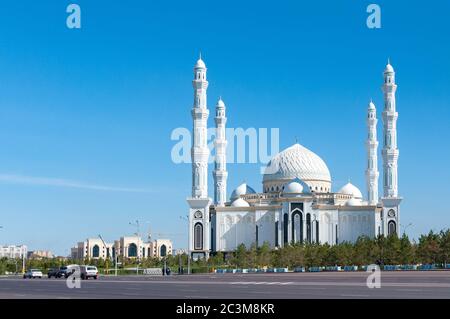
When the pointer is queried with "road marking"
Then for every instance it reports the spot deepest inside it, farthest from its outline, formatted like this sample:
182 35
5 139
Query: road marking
261 283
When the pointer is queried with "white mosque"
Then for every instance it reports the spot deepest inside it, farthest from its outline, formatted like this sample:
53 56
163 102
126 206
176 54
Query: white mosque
298 203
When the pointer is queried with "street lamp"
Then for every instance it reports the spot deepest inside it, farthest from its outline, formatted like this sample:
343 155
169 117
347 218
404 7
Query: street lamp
405 227
107 253
186 219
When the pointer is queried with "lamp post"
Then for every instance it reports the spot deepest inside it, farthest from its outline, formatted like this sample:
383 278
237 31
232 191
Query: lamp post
110 257
405 227
186 219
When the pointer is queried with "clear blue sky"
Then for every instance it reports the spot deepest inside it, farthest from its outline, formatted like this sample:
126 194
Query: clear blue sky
96 106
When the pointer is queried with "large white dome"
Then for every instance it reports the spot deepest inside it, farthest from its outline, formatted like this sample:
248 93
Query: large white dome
297 162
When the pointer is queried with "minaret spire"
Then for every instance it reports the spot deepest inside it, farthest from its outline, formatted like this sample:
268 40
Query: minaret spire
199 203
390 151
220 173
200 151
372 155
390 215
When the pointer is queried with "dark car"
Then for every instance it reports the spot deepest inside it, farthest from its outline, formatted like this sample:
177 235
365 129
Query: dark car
53 272
64 272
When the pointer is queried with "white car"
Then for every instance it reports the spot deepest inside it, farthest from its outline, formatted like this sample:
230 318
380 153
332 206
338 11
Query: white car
87 272
33 273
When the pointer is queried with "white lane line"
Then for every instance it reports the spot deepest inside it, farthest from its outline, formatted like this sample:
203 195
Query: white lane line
93 284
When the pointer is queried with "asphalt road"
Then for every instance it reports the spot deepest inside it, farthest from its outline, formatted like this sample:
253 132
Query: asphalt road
431 284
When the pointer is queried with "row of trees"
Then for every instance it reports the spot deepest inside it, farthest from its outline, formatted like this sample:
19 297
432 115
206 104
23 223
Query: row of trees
433 248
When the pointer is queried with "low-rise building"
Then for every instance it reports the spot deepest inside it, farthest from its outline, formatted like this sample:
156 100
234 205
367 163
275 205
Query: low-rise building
92 248
37 254
161 248
13 251
127 247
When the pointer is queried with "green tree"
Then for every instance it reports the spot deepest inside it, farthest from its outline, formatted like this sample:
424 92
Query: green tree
444 246
240 256
407 255
392 250
428 249
264 255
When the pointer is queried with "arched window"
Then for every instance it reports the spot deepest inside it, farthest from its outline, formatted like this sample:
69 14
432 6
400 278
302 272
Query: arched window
198 236
317 231
308 228
132 250
163 251
95 251
392 228
285 228
277 244
297 226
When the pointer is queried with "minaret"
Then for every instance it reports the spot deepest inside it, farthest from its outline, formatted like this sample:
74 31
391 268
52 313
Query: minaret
220 172
390 214
199 203
390 151
199 150
372 157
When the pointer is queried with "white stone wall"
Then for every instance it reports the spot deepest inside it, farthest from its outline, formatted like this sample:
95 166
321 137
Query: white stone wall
354 223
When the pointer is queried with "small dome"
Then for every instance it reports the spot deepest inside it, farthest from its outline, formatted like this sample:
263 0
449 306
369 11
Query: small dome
220 103
293 188
200 64
350 189
296 186
240 203
353 202
371 106
389 68
242 189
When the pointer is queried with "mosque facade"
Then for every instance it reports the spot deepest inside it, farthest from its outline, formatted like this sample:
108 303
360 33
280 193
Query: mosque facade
297 203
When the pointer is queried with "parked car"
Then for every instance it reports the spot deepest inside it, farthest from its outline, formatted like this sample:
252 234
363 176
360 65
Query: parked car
33 273
88 272
66 271
53 272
